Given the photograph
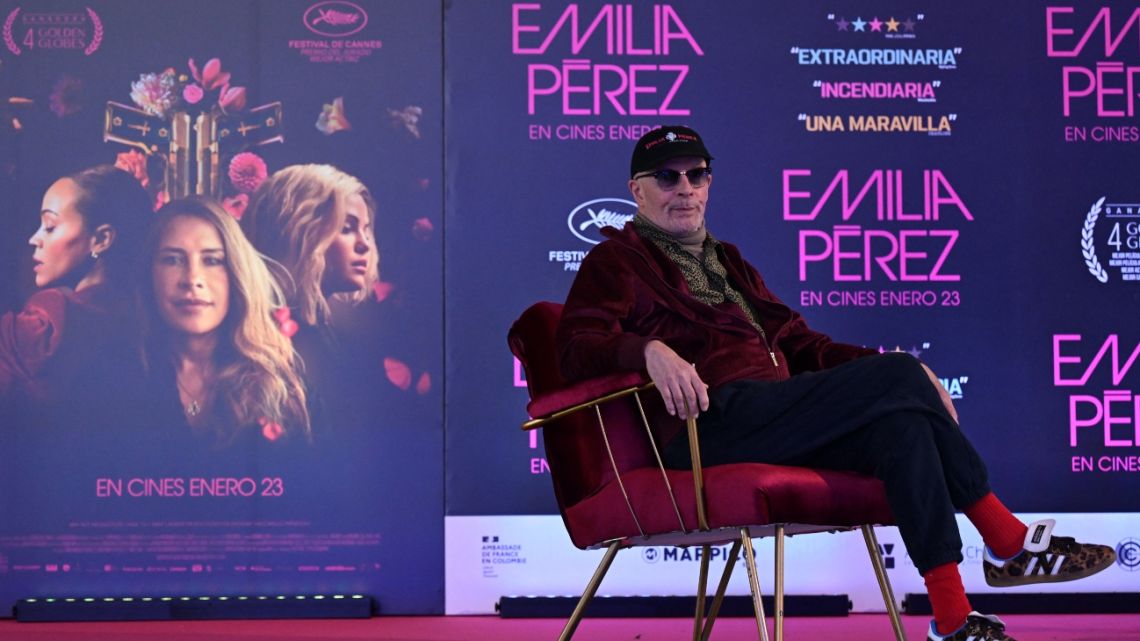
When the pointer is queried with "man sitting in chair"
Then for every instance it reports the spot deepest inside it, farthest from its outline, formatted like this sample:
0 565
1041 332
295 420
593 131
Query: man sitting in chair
665 296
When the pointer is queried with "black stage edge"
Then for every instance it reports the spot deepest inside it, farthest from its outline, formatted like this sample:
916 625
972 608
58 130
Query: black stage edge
1039 603
561 607
338 606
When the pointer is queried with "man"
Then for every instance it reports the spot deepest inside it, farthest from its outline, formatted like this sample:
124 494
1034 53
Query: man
663 295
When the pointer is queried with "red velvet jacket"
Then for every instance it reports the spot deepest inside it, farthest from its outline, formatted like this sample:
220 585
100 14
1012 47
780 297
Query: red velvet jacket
628 292
48 345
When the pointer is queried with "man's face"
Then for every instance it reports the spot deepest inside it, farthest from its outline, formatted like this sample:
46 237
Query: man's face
678 209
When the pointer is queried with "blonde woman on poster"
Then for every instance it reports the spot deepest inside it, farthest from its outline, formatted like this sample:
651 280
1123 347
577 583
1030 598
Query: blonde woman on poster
91 228
318 221
215 358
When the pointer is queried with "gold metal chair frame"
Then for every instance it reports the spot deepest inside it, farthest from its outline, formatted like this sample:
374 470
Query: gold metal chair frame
706 537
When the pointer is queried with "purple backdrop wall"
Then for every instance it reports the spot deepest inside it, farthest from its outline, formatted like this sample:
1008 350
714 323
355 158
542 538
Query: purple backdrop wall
910 179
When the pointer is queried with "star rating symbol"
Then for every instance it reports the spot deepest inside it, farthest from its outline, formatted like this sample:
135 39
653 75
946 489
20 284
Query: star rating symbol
892 24
908 25
842 24
913 351
859 23
876 24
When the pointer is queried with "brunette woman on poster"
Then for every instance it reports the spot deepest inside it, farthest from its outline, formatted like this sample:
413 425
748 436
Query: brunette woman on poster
92 225
216 362
317 221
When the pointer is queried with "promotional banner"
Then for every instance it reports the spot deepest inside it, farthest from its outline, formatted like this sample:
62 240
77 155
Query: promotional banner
952 183
531 556
159 438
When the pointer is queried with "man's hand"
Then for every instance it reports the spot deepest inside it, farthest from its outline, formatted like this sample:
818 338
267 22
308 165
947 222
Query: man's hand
678 381
942 393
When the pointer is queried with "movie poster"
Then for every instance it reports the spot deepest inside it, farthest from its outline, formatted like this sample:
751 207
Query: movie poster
159 436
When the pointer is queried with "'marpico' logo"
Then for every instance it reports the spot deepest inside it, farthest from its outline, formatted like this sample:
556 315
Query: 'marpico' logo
335 18
587 219
675 554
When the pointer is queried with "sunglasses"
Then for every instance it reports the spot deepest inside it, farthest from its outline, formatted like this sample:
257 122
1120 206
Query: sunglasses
668 178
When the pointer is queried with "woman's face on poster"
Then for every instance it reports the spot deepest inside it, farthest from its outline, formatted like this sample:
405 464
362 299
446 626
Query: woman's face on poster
62 243
191 279
347 259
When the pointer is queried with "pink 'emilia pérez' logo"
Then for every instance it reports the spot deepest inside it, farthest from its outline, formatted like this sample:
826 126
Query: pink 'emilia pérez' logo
335 18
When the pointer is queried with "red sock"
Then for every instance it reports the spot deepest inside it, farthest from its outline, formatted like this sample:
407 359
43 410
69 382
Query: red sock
1001 530
947 597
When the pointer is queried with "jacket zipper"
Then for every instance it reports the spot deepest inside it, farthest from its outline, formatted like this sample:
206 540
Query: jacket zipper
767 346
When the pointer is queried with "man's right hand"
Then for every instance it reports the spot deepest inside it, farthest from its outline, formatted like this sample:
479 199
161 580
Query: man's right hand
678 381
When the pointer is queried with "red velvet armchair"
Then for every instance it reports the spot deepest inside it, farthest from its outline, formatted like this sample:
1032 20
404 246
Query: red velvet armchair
603 439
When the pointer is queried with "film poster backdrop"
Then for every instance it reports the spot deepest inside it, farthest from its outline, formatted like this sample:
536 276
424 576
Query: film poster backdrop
952 180
110 498
955 181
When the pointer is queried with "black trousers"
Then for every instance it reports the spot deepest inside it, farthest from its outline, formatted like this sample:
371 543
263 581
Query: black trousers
878 415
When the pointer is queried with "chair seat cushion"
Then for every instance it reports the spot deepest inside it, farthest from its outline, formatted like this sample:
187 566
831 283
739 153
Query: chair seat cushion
736 494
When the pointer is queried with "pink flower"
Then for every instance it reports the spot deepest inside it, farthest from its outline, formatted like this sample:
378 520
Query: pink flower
423 386
235 205
211 76
66 96
422 229
154 93
332 118
270 430
247 172
288 326
134 163
192 94
232 99
382 290
398 373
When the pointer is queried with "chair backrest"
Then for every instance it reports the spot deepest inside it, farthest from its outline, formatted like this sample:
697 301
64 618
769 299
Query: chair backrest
576 451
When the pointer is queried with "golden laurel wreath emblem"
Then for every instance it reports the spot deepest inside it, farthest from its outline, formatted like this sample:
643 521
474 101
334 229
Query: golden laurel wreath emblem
92 47
1088 250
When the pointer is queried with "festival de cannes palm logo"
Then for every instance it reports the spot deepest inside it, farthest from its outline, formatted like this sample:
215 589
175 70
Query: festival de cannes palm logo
335 18
586 220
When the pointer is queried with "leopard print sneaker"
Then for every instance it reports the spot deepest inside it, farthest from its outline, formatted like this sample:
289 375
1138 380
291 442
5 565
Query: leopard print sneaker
1047 559
978 627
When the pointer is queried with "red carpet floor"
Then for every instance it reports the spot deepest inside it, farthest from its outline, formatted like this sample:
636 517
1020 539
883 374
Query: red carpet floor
852 628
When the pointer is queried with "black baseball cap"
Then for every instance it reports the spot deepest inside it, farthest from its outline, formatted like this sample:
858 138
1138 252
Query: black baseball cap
664 143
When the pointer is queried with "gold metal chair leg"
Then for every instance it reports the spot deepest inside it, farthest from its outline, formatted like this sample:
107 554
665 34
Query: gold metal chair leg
884 581
702 588
714 609
779 605
588 594
754 583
